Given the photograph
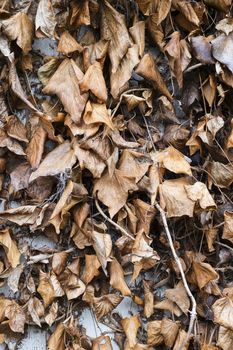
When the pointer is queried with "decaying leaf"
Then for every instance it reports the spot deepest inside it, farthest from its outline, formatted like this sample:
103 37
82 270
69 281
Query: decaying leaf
10 247
45 18
130 326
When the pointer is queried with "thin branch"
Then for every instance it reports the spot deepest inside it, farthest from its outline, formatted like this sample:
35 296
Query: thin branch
193 312
195 66
118 227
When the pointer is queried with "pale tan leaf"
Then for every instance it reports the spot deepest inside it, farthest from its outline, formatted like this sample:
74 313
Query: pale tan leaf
35 148
114 30
137 31
174 161
91 269
169 330
16 317
61 159
67 44
228 226
179 296
45 288
45 18
52 315
102 343
154 336
10 247
117 280
225 338
130 326
199 193
93 81
56 340
222 309
19 27
65 84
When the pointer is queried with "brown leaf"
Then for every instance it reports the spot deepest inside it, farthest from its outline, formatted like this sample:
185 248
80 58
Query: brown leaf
174 198
105 304
154 336
67 44
220 174
91 269
52 315
80 13
59 262
16 317
181 339
187 11
228 226
221 5
204 273
222 49
93 81
35 310
120 78
169 306
202 49
137 31
13 278
102 343
222 309
148 70
113 190
148 300
10 247
65 84
174 161
199 193
20 28
114 30
102 243
130 326
56 340
117 280
45 288
45 18
225 338
35 148
61 159
15 129
179 296
169 330
25 215
96 113
210 89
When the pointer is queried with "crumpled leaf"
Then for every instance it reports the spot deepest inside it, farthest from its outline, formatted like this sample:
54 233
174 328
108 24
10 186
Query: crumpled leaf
228 226
148 70
225 338
114 30
16 317
45 288
25 215
102 343
56 340
179 296
130 326
65 84
20 28
174 161
93 81
67 44
10 247
222 48
222 309
117 280
60 160
45 18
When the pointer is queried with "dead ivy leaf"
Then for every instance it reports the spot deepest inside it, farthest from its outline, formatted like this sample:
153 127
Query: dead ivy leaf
60 160
45 288
225 338
67 44
117 280
222 309
16 317
148 70
228 226
102 343
130 326
10 247
45 18
20 28
179 296
56 340
114 30
65 84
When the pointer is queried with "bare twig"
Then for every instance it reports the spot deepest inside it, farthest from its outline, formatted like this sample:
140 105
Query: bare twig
193 312
195 66
118 227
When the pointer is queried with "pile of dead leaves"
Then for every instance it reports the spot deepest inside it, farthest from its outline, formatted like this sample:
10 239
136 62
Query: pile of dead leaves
128 109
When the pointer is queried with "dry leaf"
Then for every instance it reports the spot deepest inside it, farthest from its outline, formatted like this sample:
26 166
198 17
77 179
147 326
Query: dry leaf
16 317
202 49
59 262
93 81
148 300
148 70
102 343
65 84
91 269
117 280
174 198
174 161
154 336
169 331
113 29
182 342
67 44
137 31
225 338
45 18
45 288
179 296
56 341
222 309
60 160
10 247
20 28
52 315
222 49
35 148
228 226
130 326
